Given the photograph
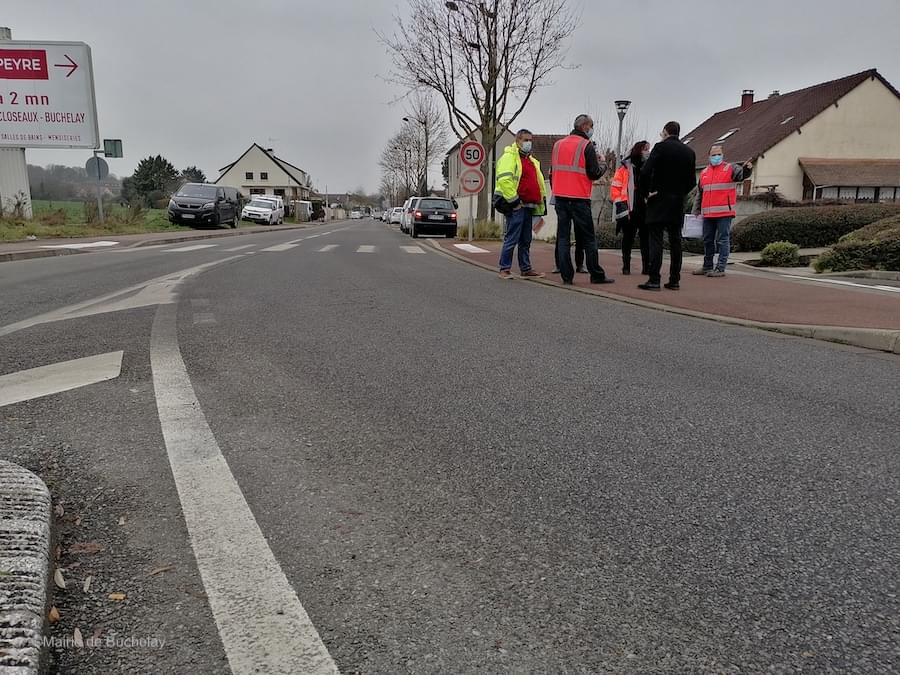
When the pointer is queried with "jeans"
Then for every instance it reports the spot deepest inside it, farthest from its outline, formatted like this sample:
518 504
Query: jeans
518 234
716 235
655 232
576 212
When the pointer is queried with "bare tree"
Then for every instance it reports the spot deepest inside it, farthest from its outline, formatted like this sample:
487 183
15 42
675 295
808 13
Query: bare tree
429 132
400 162
484 59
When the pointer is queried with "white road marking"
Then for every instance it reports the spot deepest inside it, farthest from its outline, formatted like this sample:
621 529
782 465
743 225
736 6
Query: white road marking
839 282
326 249
204 318
195 247
279 247
89 244
366 249
240 248
263 626
58 377
412 249
470 248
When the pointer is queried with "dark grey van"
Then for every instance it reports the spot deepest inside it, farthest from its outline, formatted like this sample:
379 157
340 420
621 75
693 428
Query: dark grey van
198 204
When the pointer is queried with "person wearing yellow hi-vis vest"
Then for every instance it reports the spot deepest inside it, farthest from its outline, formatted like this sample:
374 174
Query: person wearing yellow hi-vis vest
519 194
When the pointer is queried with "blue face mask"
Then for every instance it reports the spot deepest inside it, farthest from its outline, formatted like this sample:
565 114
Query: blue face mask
526 147
715 160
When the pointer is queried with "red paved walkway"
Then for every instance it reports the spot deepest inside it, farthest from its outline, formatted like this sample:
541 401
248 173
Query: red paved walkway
743 295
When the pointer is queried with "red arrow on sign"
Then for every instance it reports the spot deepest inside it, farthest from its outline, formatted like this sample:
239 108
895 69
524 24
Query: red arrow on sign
71 65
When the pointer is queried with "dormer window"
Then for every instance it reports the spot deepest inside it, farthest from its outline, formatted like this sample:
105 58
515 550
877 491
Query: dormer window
728 133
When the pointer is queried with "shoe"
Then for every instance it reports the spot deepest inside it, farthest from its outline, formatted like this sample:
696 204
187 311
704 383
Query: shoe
716 273
672 286
626 270
555 270
582 270
568 282
532 274
649 287
506 274
603 280
701 272
644 272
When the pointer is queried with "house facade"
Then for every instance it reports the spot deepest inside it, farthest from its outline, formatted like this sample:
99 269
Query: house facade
259 171
835 140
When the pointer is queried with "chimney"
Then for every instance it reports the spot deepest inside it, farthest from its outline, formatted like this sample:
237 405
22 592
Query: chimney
775 94
746 99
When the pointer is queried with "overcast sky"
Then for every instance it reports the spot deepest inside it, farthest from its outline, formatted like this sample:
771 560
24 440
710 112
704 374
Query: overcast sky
198 81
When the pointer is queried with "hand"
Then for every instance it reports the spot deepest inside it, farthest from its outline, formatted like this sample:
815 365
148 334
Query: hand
652 195
748 166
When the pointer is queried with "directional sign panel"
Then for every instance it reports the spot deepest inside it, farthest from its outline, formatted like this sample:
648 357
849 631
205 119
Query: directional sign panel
47 95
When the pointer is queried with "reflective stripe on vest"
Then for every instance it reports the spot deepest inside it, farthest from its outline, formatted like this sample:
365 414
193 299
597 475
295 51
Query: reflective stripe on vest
719 192
568 166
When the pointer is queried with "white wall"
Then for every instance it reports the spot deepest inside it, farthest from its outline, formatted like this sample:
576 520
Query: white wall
257 162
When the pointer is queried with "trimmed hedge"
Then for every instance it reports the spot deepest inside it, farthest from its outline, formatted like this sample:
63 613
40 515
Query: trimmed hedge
876 246
807 227
781 254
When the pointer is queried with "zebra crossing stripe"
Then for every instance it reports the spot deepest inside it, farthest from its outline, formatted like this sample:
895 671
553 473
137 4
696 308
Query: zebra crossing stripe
366 249
280 247
412 249
326 249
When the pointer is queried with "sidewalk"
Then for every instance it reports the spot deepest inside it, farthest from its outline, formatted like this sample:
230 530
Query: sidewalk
41 248
865 318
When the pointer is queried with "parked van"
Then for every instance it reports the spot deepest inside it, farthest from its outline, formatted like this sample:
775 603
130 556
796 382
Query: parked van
205 204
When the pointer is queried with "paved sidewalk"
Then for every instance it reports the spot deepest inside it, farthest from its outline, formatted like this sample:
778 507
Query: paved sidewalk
744 296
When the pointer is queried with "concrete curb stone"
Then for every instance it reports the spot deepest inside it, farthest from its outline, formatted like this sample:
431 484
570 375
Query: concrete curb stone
868 338
25 517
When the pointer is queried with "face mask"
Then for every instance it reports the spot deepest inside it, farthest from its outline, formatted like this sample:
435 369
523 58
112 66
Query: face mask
715 160
589 132
526 147
645 155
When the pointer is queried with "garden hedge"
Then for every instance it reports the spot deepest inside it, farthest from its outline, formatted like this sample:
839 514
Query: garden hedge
875 246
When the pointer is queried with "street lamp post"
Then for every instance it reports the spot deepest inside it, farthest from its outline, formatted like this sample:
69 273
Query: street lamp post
424 180
621 109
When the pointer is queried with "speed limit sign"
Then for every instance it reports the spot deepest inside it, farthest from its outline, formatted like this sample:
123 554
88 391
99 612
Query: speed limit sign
472 153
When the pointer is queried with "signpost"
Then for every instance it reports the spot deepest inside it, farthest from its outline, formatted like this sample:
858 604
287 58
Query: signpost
46 101
471 181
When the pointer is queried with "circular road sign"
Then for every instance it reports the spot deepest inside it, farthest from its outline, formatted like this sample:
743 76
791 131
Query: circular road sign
97 167
471 181
472 153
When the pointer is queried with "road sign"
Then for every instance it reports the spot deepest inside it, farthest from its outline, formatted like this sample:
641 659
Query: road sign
471 181
112 147
472 154
97 167
47 95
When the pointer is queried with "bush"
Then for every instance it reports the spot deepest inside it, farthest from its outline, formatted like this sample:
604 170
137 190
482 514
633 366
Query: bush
781 254
484 230
57 217
812 226
876 246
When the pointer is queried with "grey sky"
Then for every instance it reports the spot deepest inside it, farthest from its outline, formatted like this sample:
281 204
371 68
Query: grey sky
199 80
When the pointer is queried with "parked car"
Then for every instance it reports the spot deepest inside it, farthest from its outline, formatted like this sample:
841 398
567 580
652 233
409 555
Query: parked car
263 211
205 204
433 215
278 200
356 215
409 209
396 216
376 215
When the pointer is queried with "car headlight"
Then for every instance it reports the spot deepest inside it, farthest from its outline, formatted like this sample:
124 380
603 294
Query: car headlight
209 205
172 204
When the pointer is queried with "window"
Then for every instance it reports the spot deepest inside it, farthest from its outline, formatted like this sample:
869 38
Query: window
829 193
728 133
886 194
847 193
866 194
263 175
279 192
257 191
248 175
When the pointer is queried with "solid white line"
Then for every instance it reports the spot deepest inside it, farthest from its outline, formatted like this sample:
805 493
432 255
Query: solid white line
366 249
412 249
53 379
279 247
263 626
329 247
240 248
90 244
195 247
470 248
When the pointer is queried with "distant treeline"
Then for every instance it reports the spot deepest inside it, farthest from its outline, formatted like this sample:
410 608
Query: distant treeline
56 182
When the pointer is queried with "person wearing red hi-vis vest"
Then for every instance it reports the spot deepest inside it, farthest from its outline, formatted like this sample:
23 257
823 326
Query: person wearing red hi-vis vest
716 201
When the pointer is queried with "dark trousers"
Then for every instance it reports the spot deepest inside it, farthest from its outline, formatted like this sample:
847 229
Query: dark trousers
576 212
629 230
655 232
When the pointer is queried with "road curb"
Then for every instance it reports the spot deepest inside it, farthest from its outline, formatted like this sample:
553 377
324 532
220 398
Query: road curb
878 339
25 513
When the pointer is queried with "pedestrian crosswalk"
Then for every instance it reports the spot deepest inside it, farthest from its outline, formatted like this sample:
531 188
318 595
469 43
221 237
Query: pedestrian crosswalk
249 249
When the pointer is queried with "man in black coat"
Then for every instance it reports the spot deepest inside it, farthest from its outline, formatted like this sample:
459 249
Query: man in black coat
669 174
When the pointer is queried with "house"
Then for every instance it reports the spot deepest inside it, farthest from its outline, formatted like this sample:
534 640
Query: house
258 172
835 140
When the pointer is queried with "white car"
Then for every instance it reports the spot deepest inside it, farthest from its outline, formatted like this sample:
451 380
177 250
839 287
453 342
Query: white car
409 209
262 211
396 215
277 201
356 215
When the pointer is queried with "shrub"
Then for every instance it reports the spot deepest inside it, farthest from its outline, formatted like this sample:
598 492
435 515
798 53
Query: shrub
484 230
876 246
781 254
91 214
57 217
812 226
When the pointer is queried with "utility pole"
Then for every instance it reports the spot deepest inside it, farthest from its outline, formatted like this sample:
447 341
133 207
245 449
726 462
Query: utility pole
13 167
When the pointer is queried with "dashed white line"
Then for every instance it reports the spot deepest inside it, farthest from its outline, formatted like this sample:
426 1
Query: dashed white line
279 247
366 249
196 247
326 249
240 248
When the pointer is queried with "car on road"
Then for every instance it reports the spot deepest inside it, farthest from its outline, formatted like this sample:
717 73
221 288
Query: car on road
396 216
376 215
356 215
263 211
409 209
433 215
205 204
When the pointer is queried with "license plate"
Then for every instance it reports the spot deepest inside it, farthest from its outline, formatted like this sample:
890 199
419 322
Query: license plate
187 216
435 217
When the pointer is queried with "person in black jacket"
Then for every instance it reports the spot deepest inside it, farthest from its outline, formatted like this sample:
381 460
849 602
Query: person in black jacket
668 175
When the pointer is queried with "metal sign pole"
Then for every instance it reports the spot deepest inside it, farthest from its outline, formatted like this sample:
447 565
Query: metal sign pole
471 217
99 188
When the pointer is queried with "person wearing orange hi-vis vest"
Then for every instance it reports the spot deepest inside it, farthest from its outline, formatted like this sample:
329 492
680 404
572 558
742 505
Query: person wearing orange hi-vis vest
629 202
716 201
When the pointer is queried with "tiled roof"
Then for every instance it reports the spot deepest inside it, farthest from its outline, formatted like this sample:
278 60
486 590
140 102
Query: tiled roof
771 120
852 172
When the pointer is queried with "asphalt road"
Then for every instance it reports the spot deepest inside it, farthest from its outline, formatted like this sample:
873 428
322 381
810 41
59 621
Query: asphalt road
460 474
